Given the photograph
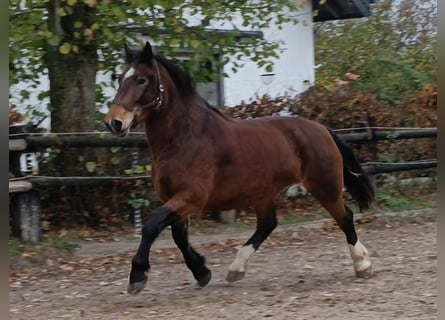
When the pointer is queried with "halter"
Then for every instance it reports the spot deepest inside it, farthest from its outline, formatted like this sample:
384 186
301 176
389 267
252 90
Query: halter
157 102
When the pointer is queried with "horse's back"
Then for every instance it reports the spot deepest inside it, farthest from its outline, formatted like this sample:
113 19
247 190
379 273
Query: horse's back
302 135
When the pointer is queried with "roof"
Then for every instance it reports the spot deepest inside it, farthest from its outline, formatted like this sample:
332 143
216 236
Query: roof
340 9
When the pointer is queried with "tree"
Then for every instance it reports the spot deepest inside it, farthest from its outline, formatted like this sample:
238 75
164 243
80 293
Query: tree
71 40
393 50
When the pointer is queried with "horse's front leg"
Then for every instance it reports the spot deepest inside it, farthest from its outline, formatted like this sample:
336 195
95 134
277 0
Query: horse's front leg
174 210
194 261
140 265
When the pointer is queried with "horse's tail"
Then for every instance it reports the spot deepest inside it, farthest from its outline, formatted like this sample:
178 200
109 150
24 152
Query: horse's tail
356 180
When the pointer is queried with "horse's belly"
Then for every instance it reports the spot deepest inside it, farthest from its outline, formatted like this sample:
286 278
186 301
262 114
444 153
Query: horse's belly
226 200
244 191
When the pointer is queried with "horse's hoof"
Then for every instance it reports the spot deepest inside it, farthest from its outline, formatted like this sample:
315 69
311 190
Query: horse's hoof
366 273
135 288
233 276
205 279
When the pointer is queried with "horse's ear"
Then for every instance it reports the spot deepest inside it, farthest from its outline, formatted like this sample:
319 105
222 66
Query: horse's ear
147 53
129 54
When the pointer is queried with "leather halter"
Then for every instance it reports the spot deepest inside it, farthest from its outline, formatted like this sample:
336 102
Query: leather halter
157 102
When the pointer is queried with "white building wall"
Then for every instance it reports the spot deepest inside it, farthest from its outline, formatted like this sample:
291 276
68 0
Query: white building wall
293 71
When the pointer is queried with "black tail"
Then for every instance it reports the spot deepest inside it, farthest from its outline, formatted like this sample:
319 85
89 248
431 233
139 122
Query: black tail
356 180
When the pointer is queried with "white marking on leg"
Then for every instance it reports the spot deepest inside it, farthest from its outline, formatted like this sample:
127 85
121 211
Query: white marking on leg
239 264
129 73
360 256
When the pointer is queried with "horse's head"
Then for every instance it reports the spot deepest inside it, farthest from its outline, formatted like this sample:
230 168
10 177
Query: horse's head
140 91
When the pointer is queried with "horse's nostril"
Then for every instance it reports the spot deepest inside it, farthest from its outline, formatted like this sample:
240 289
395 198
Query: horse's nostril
107 125
116 125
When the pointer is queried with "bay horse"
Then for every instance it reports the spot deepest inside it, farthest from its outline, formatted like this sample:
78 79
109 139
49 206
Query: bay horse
205 160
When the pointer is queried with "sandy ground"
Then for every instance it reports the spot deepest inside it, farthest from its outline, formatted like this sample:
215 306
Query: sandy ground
299 273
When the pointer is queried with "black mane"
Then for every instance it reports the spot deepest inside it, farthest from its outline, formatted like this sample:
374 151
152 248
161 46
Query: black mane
183 81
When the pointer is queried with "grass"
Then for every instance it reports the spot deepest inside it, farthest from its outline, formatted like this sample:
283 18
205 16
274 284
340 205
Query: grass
402 203
407 197
64 245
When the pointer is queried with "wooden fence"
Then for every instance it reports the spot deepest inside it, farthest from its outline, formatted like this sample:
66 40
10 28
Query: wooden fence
25 207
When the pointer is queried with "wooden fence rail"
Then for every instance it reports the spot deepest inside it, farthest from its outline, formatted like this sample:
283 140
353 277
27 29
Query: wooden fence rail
32 182
25 204
26 183
138 140
377 168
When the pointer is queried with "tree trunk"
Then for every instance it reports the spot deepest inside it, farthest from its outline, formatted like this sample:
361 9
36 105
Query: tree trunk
72 76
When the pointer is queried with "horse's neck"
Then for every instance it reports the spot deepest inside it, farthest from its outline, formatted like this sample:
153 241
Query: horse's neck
170 128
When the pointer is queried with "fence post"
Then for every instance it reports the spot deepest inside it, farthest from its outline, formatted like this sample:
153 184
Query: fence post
137 217
227 216
24 207
372 146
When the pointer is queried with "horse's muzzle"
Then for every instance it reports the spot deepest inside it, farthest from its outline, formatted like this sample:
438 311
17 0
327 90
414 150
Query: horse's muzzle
120 120
115 126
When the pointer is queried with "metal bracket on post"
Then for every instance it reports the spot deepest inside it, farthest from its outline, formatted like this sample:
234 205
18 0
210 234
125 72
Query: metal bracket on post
28 162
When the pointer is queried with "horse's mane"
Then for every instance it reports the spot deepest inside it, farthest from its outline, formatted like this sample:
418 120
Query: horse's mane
183 81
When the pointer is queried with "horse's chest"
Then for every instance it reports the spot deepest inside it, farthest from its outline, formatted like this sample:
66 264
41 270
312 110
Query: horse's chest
163 185
167 181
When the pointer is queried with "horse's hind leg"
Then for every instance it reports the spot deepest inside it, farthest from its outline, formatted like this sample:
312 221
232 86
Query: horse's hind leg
194 261
266 223
359 254
344 218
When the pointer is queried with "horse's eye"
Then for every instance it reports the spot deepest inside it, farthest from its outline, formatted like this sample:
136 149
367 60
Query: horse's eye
141 81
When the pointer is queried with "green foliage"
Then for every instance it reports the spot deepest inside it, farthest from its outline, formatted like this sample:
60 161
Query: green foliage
91 166
391 81
138 202
393 51
73 27
138 169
